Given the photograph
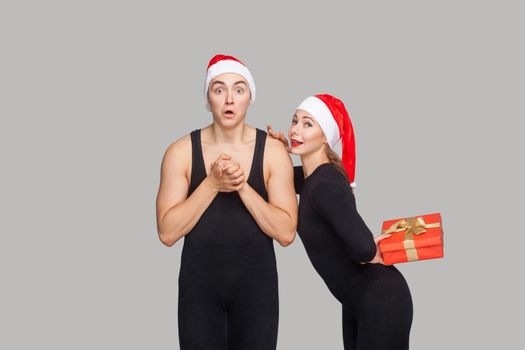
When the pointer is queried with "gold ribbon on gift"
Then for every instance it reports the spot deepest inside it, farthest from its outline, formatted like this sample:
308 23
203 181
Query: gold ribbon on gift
413 226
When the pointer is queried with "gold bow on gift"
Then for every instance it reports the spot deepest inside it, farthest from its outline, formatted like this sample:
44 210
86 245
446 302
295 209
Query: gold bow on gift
413 226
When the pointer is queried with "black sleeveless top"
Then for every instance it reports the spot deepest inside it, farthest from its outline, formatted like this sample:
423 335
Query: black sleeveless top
227 238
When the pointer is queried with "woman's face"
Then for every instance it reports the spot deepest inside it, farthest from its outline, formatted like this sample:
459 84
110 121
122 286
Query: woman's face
229 98
305 134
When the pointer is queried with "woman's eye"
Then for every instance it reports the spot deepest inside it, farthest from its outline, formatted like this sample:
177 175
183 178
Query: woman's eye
308 124
240 91
218 91
294 122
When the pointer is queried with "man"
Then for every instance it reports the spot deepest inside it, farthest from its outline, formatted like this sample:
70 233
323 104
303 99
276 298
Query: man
228 189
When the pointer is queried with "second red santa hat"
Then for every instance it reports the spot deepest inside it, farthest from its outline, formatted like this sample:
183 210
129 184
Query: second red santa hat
333 118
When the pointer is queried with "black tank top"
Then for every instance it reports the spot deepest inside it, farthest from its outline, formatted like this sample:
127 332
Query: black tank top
227 236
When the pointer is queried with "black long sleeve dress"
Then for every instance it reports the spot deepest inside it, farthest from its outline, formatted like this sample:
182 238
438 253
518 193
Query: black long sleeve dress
376 300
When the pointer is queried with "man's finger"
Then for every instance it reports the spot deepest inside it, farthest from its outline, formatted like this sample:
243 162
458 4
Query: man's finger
231 170
236 174
238 180
223 156
227 168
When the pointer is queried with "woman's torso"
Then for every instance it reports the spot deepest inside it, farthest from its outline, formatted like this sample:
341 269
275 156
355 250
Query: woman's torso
349 281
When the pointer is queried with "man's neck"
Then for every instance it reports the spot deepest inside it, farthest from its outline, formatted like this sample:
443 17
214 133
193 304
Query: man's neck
235 135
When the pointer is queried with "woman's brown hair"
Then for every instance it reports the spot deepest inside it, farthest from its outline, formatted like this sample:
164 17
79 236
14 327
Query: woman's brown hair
333 157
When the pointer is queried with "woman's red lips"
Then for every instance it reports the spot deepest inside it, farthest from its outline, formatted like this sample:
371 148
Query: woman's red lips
295 143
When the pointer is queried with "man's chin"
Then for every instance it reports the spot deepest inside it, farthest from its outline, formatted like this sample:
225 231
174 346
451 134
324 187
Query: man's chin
229 123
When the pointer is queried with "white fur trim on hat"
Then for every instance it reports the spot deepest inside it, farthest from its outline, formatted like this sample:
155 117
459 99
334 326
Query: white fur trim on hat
323 116
230 66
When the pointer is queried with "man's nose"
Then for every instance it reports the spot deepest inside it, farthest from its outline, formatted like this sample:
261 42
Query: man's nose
229 97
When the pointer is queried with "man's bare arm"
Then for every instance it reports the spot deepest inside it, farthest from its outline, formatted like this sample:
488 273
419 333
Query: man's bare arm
277 217
177 214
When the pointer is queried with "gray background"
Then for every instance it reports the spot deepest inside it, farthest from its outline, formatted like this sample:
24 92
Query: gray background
92 93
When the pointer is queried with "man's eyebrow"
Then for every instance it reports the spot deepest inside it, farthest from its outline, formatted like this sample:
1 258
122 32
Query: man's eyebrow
223 83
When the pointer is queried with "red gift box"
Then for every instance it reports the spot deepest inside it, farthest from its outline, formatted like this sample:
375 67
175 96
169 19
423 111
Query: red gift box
414 238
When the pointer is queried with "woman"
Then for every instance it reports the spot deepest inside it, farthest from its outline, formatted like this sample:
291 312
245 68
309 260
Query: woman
229 214
376 301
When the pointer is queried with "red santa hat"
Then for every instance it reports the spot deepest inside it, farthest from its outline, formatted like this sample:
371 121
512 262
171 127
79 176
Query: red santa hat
332 116
221 64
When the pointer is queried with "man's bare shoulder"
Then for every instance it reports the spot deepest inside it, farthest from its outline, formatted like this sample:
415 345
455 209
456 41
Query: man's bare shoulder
181 145
275 147
179 151
276 154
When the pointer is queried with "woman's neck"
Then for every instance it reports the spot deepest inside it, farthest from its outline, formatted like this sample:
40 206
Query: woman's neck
312 160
